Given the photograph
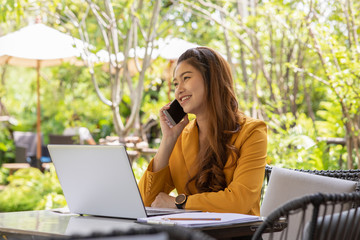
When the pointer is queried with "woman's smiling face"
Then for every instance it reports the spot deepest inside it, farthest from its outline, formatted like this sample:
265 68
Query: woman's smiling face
189 88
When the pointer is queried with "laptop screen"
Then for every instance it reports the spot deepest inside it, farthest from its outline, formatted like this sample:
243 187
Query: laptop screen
97 180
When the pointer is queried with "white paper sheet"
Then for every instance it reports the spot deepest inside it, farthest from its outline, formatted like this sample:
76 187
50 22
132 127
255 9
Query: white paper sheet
201 219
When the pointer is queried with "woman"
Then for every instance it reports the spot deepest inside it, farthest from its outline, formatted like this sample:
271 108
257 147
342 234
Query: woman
215 162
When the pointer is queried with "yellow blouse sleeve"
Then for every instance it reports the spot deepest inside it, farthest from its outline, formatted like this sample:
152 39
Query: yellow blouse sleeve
243 192
152 183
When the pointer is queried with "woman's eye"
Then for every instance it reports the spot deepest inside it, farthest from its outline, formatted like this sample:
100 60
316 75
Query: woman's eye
185 78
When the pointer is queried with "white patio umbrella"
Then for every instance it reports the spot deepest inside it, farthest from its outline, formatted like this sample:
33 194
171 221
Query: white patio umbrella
171 48
39 46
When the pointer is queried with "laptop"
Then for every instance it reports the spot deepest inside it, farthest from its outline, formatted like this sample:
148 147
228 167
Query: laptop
98 180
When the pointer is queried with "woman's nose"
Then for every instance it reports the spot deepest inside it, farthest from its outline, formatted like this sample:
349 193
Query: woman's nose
178 90
180 86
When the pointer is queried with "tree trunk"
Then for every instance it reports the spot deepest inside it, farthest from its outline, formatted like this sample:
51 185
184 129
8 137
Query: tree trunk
119 75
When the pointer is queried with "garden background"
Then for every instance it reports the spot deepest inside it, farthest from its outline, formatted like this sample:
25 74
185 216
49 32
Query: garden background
295 64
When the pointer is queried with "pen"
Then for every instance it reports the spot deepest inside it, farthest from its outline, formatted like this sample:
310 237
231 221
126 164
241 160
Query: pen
193 219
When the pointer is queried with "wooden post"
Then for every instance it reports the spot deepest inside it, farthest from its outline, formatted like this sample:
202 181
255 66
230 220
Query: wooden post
38 126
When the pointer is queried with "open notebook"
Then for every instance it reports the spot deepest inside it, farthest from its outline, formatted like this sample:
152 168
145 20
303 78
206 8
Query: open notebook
98 180
201 219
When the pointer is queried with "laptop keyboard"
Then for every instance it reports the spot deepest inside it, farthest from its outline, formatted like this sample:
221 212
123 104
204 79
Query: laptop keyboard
162 211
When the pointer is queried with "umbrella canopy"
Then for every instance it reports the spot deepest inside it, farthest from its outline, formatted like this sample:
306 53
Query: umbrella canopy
169 48
172 48
38 46
38 43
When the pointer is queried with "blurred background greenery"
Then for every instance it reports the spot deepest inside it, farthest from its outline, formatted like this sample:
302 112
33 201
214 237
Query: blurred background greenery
295 64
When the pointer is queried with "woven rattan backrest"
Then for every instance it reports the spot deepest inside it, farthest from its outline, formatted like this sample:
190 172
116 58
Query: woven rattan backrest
325 223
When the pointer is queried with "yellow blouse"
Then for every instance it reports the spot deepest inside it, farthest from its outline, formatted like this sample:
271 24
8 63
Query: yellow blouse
244 179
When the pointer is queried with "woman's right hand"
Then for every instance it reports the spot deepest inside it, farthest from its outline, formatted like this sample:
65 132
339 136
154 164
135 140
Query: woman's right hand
170 135
169 131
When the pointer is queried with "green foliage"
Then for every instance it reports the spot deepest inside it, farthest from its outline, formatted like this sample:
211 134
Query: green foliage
139 166
65 90
291 144
50 201
4 173
30 189
105 127
6 145
12 9
330 122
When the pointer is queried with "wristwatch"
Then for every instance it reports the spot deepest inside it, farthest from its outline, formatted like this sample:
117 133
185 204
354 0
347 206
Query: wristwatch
180 201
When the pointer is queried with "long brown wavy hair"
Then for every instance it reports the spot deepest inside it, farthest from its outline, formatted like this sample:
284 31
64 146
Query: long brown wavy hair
224 118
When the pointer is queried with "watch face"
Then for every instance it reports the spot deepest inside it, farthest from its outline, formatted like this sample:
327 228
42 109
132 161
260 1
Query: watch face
180 199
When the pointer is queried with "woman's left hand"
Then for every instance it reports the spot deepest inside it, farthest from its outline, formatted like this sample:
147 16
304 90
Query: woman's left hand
164 200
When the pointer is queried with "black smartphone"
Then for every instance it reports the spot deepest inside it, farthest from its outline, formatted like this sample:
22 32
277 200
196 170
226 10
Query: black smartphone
175 113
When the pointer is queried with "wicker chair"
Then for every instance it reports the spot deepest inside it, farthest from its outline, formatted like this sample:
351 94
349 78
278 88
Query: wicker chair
324 223
287 184
63 139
